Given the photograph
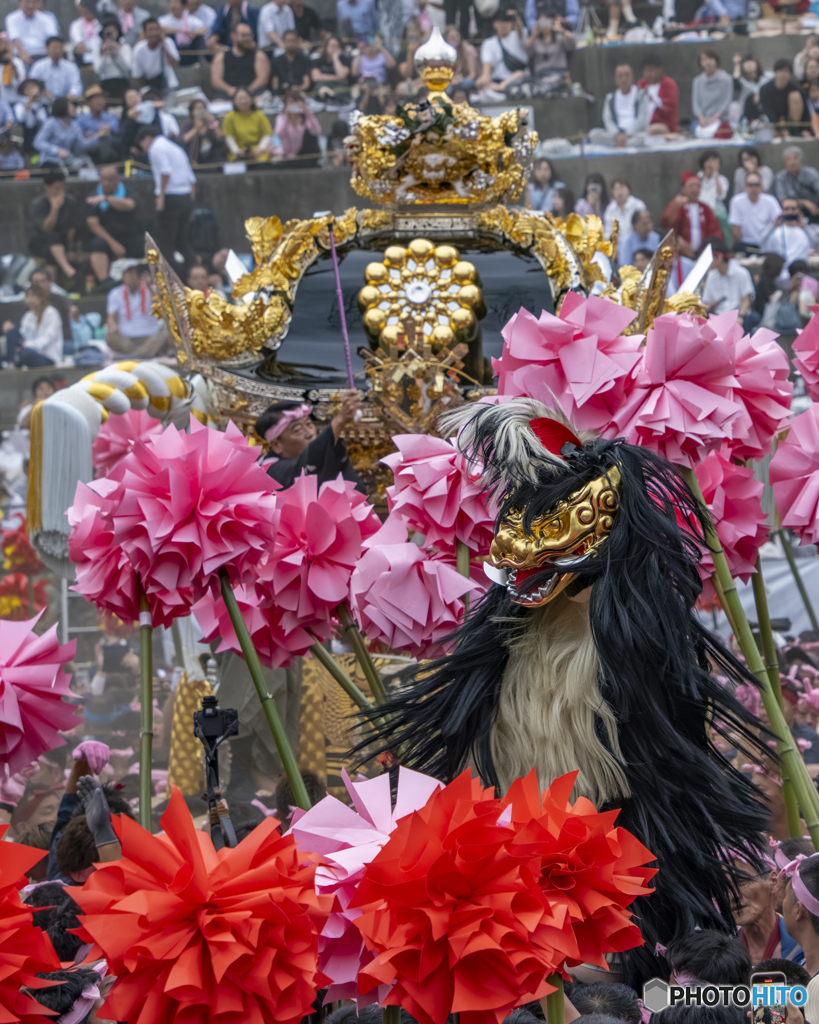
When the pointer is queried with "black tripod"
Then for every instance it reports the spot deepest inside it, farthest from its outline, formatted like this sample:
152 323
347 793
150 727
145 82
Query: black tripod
213 725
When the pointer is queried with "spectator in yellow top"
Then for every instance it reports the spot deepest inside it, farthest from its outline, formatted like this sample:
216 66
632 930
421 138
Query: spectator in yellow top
247 131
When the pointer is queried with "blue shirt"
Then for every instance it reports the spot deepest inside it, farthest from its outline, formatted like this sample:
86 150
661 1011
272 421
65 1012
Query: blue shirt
55 135
248 16
12 161
90 125
630 245
60 79
362 16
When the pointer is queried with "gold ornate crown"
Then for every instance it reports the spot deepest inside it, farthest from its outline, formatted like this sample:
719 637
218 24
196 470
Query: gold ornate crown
435 151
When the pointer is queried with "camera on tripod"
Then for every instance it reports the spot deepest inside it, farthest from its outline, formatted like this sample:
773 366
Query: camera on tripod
213 725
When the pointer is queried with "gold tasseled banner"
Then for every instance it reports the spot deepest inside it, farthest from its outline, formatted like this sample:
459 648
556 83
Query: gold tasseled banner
186 765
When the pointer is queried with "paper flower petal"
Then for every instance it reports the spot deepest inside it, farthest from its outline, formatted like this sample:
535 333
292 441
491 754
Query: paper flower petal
321 531
33 686
683 403
405 598
175 510
806 360
193 934
794 476
24 950
347 838
117 436
435 492
733 497
578 360
762 371
472 901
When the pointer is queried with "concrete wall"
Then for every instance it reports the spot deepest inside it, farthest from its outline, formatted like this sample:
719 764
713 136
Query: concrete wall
290 193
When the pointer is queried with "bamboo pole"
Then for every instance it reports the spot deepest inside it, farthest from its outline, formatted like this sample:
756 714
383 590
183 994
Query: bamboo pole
800 583
362 653
146 708
320 653
554 1001
462 559
772 668
806 793
291 768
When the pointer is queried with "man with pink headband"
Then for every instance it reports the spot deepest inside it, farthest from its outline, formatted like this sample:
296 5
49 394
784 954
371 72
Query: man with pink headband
761 930
290 431
800 908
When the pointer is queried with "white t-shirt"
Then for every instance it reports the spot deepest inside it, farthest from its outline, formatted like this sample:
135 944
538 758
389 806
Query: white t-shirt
32 32
625 108
273 18
149 63
165 157
754 220
693 210
45 337
87 32
791 243
729 289
621 214
492 53
184 27
206 15
139 324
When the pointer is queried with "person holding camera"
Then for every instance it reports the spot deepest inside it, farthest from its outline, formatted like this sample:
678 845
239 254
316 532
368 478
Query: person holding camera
201 135
791 237
548 47
298 129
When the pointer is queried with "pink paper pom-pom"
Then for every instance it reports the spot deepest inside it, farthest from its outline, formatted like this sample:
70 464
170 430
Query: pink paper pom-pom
347 839
191 504
732 495
683 404
33 688
435 493
104 573
794 476
578 360
275 645
321 530
406 599
806 361
762 370
117 436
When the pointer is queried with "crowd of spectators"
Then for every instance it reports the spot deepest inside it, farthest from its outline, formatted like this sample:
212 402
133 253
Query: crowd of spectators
70 91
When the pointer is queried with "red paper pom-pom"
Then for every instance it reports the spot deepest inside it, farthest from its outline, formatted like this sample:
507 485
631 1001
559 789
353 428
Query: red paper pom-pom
15 599
453 908
24 949
193 934
588 866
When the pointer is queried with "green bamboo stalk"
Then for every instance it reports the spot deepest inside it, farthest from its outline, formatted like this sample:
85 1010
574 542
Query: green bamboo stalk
794 765
391 1014
31 605
320 653
554 1001
146 708
177 644
291 768
786 544
362 653
462 559
772 668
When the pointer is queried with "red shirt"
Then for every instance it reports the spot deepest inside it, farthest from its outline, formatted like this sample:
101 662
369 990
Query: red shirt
669 113
709 225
